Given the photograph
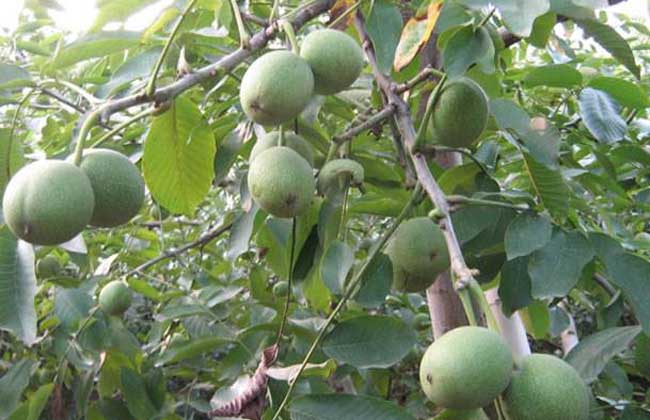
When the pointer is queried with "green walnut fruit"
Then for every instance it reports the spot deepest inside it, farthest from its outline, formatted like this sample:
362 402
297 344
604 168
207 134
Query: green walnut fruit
48 202
276 88
478 414
335 58
291 140
281 182
418 252
460 114
117 185
48 266
281 289
547 388
115 298
421 321
466 368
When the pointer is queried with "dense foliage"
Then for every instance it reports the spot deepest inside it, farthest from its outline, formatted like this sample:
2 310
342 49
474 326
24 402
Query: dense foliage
549 206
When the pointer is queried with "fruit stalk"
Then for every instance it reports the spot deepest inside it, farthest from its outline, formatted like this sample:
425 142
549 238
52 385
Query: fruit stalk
287 302
349 292
88 123
287 27
422 131
122 126
151 85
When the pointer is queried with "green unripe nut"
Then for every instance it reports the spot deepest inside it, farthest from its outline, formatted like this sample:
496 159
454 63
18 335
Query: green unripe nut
545 387
460 114
421 321
335 58
281 289
466 368
339 169
276 88
281 182
115 298
449 414
291 140
48 202
418 251
48 266
117 185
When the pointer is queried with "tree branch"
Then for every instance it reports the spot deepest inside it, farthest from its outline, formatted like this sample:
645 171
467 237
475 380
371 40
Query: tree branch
202 240
223 65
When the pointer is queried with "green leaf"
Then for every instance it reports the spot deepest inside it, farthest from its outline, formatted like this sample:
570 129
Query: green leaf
137 67
117 10
631 274
190 349
600 114
71 306
614 43
542 30
384 26
335 265
11 157
554 75
519 15
466 47
591 355
536 319
625 93
240 233
95 45
134 391
642 355
509 115
13 76
345 407
12 385
526 234
555 269
369 341
549 186
37 402
514 287
17 287
376 282
178 157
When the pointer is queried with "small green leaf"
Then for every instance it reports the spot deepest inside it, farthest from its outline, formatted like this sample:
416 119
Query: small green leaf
549 186
13 76
536 319
95 45
117 10
369 341
71 306
376 282
17 287
345 407
514 287
542 30
554 75
134 391
509 115
336 265
625 93
591 355
12 385
520 15
190 349
614 43
466 47
555 269
384 26
240 233
600 114
527 233
178 157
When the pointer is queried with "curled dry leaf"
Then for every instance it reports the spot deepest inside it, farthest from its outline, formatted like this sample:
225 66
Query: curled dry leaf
415 35
249 394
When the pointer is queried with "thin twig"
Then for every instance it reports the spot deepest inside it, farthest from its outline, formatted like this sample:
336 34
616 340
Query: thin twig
151 85
377 118
349 292
122 126
201 241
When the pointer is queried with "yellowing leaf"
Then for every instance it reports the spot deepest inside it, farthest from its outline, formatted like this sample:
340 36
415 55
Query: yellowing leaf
415 35
340 7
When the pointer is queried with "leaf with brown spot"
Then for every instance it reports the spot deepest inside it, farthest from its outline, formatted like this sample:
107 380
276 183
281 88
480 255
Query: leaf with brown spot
415 35
340 7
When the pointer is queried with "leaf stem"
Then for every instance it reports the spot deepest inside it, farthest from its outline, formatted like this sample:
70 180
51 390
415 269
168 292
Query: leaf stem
287 302
122 126
478 295
460 199
487 17
151 85
435 94
287 27
88 123
349 291
244 36
12 131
